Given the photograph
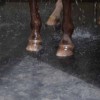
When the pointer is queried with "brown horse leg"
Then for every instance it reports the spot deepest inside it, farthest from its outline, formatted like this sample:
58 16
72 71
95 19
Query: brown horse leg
66 46
55 16
35 40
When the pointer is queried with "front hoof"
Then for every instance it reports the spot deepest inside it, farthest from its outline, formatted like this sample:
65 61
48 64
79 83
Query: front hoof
52 21
65 50
34 46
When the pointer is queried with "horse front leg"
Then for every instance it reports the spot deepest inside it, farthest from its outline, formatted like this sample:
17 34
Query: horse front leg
34 42
55 16
66 46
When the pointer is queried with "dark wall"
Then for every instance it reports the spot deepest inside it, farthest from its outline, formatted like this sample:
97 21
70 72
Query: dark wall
44 0
16 0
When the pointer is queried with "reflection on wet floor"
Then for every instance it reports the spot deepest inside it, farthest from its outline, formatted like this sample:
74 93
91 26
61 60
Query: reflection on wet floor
14 31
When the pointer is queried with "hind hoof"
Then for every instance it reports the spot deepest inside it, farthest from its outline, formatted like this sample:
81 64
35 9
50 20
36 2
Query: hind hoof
52 21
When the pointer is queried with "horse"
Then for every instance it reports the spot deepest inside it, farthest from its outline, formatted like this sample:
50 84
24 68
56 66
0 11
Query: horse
66 46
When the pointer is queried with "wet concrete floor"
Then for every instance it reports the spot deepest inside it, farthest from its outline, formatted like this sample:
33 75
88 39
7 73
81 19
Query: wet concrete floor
43 76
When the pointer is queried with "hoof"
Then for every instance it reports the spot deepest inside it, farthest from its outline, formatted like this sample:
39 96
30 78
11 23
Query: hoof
34 46
52 21
65 50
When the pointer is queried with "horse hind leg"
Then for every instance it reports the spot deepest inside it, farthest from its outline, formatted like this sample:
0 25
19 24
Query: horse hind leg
55 16
35 41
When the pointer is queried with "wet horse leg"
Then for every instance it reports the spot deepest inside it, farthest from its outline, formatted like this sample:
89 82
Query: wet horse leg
55 16
66 46
34 43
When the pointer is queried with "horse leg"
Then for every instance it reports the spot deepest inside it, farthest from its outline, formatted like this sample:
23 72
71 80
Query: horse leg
55 16
66 46
34 43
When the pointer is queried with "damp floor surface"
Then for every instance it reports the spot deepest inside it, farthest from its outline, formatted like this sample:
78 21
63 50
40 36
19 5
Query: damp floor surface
43 76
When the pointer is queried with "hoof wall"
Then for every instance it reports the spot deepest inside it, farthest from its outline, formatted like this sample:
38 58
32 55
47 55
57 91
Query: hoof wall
52 21
65 51
34 46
